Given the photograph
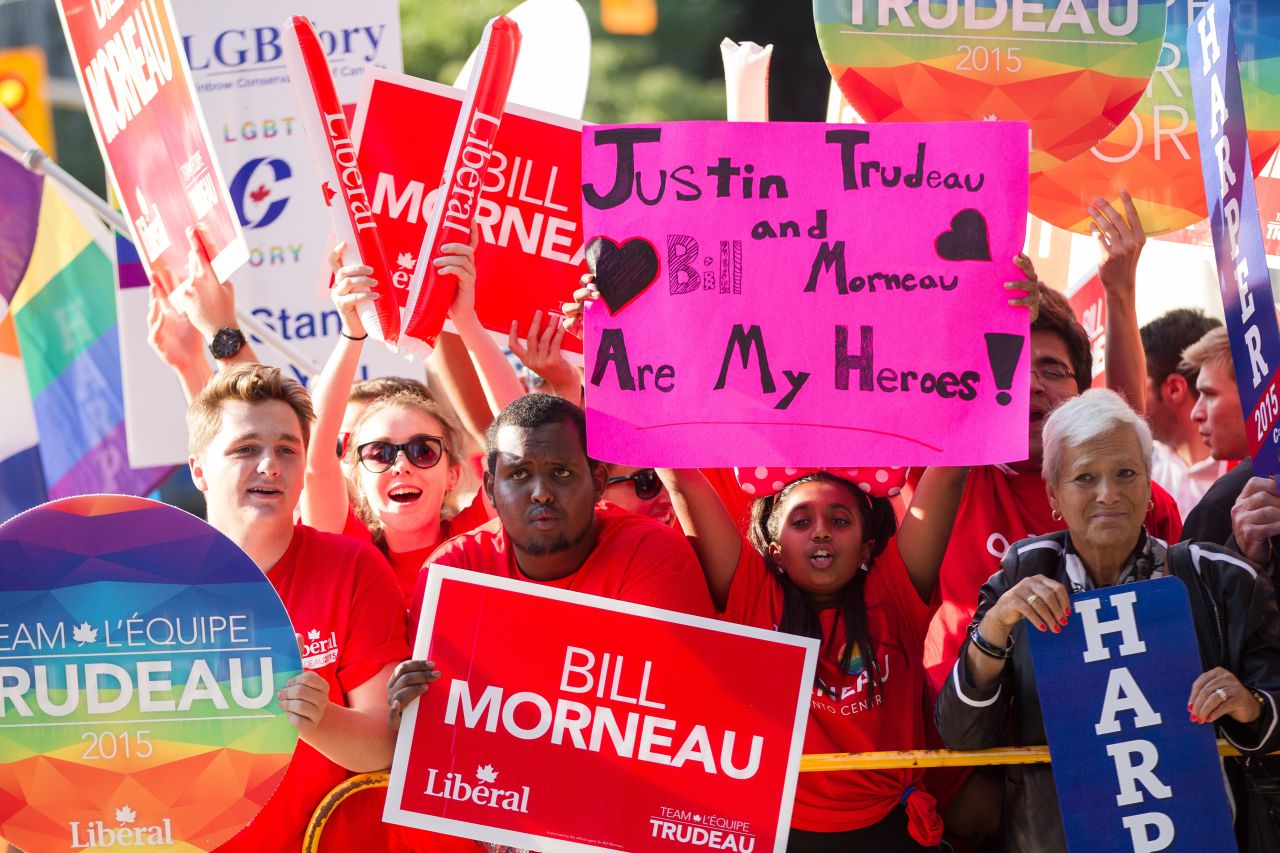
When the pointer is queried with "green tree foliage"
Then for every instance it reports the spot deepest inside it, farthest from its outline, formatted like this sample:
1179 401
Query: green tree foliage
674 74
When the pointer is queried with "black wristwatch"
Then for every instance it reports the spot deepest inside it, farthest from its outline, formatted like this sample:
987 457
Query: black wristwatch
226 342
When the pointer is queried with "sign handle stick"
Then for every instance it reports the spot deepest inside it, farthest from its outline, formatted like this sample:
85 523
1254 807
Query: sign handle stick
39 162
271 339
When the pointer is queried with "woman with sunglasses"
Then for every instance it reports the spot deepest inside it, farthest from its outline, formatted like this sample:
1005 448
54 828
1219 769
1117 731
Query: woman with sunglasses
640 491
404 470
825 558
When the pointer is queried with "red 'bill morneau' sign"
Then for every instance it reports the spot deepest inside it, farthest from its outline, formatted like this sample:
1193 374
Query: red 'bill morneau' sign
137 88
530 217
569 722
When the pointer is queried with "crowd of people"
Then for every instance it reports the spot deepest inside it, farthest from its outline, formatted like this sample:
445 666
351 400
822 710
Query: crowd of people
920 586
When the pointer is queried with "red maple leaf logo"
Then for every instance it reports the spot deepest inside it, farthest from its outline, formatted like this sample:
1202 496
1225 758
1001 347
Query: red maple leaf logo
260 193
329 193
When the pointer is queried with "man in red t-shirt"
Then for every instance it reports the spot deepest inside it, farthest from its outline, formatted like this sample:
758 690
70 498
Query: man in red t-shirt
552 528
248 433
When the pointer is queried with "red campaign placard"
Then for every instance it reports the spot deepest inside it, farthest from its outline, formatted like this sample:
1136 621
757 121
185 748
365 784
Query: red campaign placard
1267 187
137 87
530 215
569 722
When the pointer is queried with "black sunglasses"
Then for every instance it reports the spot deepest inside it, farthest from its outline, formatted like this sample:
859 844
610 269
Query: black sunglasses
645 482
422 451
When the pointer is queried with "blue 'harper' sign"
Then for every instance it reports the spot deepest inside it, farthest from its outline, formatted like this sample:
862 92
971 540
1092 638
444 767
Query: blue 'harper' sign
1237 233
1132 771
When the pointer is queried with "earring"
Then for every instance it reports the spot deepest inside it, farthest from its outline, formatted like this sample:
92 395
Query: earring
863 567
1055 515
1151 504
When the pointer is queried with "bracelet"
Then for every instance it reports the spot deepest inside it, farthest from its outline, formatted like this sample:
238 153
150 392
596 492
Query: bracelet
351 338
989 648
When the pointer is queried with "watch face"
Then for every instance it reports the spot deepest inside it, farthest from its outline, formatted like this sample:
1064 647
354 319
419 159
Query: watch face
226 343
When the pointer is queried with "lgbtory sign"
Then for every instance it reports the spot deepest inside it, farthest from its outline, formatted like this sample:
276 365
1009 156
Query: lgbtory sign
805 294
140 656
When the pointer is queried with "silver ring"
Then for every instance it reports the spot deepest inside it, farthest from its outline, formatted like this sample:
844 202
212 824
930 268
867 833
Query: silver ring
1032 599
1221 694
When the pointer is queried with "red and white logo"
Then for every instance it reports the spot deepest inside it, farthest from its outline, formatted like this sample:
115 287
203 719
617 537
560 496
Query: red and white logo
485 791
96 834
318 652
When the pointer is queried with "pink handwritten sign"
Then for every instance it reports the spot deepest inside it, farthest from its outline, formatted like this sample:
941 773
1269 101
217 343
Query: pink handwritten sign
805 294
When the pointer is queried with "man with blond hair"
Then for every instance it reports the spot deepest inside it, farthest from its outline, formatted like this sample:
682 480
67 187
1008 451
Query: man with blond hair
248 431
1220 423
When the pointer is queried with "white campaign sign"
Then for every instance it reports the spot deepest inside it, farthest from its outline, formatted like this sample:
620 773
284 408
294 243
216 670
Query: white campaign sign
236 52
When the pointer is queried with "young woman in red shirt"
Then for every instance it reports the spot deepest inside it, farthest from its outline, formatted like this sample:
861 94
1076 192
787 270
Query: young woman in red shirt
822 560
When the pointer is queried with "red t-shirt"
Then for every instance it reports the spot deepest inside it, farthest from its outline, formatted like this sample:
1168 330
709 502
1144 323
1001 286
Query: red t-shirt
1000 507
406 565
341 597
736 501
356 528
636 559
843 716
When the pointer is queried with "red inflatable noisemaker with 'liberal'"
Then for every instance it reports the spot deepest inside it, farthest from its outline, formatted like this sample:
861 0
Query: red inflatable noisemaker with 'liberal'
430 293
350 208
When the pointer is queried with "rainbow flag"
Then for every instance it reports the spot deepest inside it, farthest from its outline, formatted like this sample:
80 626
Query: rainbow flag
59 351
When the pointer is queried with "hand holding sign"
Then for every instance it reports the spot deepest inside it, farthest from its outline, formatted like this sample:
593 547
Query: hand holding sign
352 288
573 311
1255 519
1218 693
541 353
305 697
169 332
410 680
208 303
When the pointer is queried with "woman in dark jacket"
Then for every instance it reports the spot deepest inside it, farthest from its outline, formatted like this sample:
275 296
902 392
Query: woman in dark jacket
1097 462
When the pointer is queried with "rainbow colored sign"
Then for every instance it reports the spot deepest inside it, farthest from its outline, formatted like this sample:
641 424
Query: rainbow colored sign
1073 69
1154 153
140 656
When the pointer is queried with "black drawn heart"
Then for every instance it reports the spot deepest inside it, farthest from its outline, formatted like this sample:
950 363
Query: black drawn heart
622 272
967 239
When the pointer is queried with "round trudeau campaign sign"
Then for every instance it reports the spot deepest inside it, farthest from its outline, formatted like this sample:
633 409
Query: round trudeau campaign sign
140 655
1154 153
1071 68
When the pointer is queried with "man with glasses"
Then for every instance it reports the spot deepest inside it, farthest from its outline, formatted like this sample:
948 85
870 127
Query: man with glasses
553 529
248 432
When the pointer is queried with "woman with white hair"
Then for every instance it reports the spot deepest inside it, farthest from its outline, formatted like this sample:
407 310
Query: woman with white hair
1097 467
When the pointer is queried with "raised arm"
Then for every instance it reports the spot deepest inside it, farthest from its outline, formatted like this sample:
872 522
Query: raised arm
497 378
1120 242
174 339
207 303
708 526
324 494
541 353
926 528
